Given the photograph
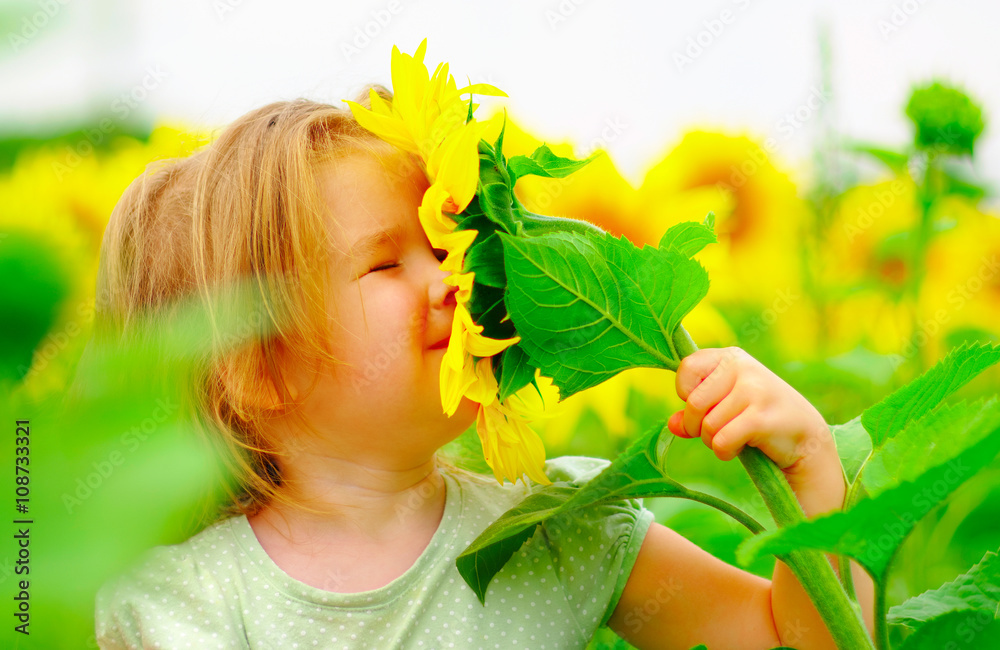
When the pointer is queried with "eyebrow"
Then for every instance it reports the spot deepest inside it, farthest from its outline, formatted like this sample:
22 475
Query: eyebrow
373 242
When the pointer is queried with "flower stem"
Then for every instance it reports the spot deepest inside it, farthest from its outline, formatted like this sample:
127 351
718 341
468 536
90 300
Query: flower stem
810 567
725 507
881 624
538 224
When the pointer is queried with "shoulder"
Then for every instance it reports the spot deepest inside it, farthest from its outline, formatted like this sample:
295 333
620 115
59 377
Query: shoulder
483 492
170 591
575 470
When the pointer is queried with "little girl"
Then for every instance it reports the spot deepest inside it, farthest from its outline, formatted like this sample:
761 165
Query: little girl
345 523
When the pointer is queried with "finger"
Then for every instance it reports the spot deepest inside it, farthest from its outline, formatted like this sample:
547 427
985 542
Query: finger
733 436
720 415
696 367
706 395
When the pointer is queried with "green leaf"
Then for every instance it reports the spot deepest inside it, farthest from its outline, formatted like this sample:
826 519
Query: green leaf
542 162
516 371
587 307
498 145
936 438
872 530
977 590
894 160
485 259
955 184
889 416
854 446
688 238
484 558
955 630
633 474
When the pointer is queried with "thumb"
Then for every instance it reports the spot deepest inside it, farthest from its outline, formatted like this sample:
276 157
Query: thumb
676 424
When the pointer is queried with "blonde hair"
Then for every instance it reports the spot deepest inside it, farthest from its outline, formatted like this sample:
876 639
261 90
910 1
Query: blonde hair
245 208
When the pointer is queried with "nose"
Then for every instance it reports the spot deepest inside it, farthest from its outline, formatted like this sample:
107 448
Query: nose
440 294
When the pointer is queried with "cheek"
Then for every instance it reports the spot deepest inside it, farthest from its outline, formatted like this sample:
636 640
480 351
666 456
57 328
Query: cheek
385 327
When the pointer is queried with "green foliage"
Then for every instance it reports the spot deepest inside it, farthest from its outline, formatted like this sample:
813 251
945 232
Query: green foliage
896 161
116 465
872 530
923 450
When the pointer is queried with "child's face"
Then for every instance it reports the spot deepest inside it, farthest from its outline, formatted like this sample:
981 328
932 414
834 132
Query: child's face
391 313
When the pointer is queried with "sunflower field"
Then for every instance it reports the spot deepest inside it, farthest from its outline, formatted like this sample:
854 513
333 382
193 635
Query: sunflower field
849 280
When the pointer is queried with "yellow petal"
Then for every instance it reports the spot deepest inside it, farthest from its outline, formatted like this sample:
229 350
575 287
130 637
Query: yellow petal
455 164
511 448
457 243
457 373
387 128
485 388
435 224
483 89
474 342
464 282
379 105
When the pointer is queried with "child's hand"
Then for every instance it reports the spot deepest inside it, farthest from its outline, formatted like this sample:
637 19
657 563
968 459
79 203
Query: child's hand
733 400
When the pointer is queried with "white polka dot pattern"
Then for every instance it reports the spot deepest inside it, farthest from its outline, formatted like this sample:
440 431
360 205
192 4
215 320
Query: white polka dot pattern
219 589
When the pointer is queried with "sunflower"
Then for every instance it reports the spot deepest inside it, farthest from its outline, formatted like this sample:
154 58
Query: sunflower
427 117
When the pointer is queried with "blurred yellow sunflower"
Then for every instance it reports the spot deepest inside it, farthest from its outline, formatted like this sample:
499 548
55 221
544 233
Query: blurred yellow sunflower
961 287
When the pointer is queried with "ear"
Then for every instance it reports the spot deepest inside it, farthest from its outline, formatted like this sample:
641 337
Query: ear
255 388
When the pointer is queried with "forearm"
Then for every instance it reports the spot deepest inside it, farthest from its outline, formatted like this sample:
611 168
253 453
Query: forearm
819 490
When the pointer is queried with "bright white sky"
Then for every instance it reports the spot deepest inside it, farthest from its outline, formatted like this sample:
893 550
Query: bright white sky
571 67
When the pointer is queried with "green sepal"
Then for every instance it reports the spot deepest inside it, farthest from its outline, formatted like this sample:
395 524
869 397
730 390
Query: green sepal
485 259
514 372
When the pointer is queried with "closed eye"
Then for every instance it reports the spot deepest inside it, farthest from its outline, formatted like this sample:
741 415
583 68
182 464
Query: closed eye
384 267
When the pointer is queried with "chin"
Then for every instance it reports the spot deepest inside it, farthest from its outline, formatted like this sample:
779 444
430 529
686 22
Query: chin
465 415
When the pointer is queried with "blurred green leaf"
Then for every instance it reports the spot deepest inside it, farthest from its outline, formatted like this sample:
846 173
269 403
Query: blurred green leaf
956 630
976 590
896 161
34 286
